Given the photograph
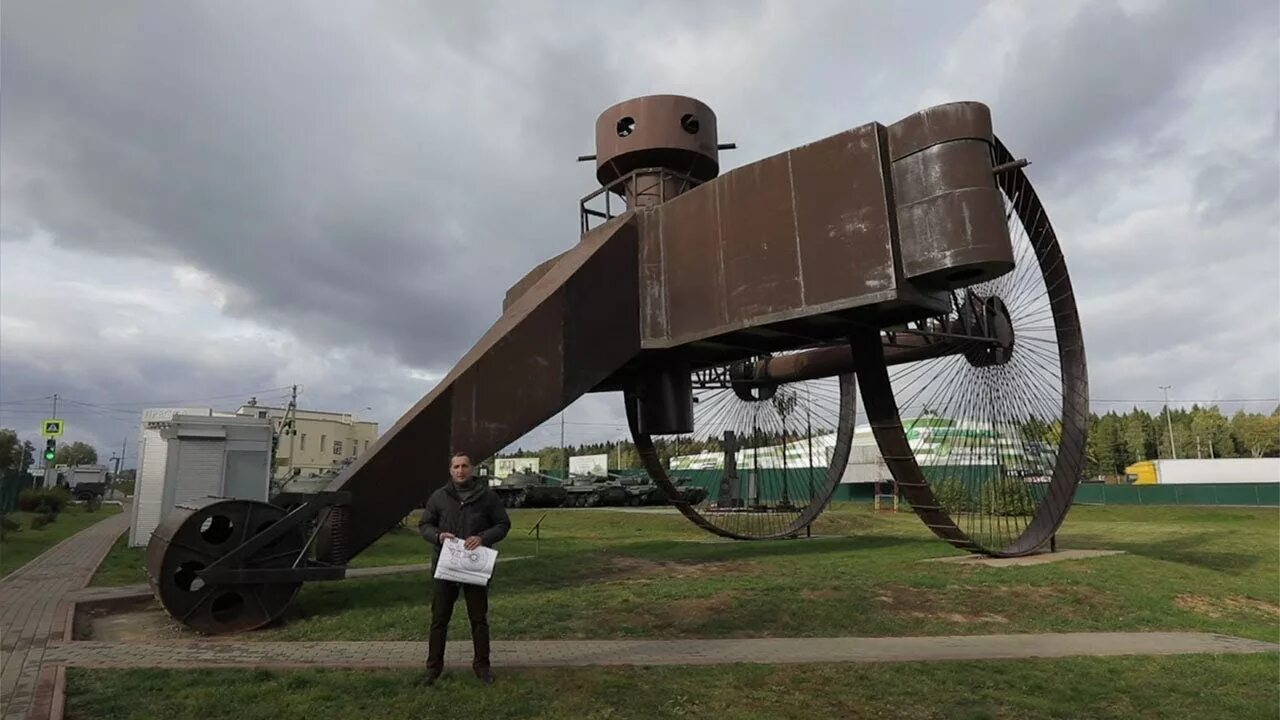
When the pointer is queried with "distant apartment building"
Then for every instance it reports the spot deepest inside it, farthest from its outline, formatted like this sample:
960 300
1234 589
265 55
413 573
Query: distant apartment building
322 441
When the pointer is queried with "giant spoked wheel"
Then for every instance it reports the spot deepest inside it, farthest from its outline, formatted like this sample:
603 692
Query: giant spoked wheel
987 439
769 454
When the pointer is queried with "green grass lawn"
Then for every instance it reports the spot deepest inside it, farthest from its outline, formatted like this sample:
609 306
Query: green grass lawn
601 574
25 545
128 566
123 565
1192 687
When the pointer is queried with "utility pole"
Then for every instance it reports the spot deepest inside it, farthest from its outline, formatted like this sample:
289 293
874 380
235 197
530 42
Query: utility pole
1168 416
564 454
289 416
55 407
124 445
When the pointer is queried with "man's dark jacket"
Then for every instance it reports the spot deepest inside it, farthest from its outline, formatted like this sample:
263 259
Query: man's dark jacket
482 514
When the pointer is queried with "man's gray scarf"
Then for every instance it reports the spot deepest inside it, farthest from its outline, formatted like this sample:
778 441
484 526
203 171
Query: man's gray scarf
468 490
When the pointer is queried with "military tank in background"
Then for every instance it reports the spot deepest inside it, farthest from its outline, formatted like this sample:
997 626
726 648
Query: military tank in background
690 493
641 490
594 491
529 489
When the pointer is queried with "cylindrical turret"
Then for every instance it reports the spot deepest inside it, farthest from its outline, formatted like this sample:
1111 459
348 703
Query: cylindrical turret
667 132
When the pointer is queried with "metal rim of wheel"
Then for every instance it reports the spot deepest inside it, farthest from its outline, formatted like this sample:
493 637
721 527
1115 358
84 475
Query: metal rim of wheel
813 418
997 432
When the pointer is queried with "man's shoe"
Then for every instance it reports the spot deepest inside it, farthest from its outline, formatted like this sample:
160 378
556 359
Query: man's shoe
486 676
430 678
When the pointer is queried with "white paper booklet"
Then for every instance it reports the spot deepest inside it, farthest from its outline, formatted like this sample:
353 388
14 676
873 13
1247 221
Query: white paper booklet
458 564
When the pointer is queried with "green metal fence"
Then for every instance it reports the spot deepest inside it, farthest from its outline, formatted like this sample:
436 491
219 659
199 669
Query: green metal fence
1254 494
11 484
1250 494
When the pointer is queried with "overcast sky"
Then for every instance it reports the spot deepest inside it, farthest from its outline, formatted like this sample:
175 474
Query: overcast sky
200 201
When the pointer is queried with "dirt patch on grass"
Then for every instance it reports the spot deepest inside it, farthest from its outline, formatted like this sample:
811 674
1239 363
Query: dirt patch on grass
823 594
1227 606
695 611
626 566
967 604
150 623
143 625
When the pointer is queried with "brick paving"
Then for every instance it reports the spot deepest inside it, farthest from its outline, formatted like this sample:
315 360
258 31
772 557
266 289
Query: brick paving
573 653
35 609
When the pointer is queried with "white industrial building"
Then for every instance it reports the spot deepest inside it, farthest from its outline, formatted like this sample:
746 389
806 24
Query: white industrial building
502 467
185 454
933 440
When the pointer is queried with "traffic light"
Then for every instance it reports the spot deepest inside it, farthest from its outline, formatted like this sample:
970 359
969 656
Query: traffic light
50 449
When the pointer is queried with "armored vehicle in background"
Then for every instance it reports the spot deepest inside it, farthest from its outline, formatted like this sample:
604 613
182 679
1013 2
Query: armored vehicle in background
594 491
690 493
528 489
641 491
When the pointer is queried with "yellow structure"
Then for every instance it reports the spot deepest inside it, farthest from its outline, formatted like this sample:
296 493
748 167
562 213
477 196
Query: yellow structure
321 442
1141 473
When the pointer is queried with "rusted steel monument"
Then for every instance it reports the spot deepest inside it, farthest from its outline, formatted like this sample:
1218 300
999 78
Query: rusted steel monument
739 315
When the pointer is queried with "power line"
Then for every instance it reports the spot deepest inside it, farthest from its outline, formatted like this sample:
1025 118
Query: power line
247 393
31 400
126 406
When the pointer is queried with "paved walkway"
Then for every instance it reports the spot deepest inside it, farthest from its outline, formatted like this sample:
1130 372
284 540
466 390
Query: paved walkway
35 610
568 653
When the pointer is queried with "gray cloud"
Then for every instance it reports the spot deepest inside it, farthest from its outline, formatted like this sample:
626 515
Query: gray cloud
1108 76
369 181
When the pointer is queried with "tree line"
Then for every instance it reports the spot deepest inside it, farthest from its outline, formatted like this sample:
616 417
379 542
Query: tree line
1117 441
18 455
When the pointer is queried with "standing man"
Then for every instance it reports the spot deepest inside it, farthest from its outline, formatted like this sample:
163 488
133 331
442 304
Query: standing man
464 508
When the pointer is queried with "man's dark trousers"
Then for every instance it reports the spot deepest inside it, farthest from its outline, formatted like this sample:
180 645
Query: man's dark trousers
444 596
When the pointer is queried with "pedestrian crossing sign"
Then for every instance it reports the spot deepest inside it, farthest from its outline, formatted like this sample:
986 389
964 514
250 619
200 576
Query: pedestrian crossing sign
51 428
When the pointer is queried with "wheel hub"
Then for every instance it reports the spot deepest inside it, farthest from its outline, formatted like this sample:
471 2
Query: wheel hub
987 317
746 385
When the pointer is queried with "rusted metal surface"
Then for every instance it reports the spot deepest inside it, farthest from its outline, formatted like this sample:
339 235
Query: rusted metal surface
657 131
838 359
564 335
950 213
795 236
775 253
869 227
528 280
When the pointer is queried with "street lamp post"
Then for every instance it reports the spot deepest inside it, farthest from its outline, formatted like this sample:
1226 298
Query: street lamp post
1168 416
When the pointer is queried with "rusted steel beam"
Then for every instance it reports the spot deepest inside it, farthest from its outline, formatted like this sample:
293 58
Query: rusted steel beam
838 359
880 220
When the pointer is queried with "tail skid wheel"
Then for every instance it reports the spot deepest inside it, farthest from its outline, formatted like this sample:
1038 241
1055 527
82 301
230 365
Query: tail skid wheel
766 432
192 538
995 444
